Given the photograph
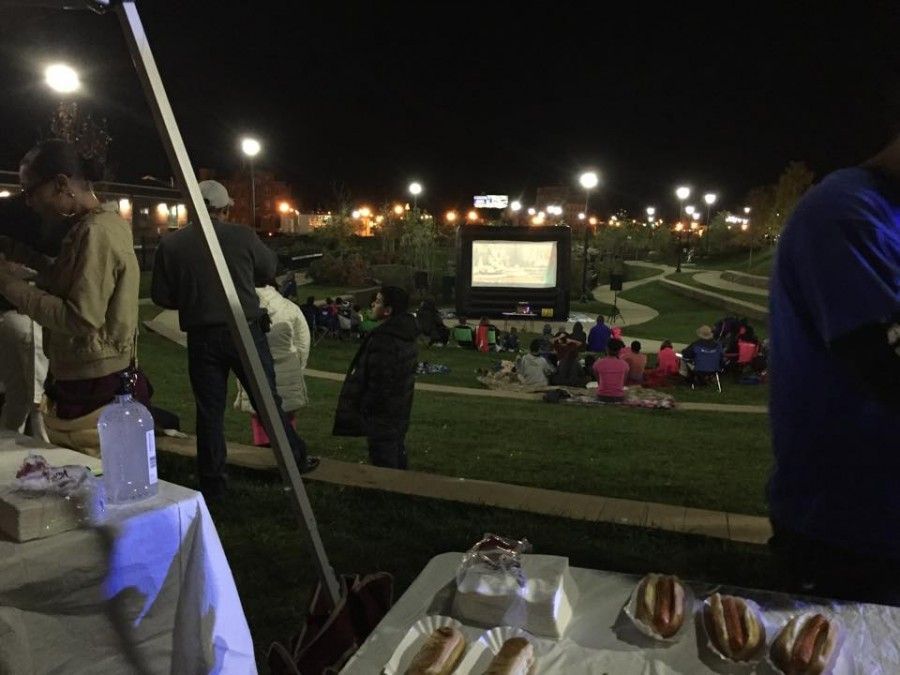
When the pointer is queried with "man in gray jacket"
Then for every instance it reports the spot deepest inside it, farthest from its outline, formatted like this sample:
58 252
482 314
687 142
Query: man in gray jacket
185 279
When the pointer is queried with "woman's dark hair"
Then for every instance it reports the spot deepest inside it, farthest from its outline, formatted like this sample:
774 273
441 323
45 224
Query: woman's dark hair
577 327
613 347
535 346
50 158
636 347
667 344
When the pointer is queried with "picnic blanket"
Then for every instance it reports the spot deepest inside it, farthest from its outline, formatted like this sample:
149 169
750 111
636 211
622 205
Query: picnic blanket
635 397
426 368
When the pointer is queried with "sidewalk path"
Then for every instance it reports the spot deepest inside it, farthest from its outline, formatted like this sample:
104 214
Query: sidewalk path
632 312
715 280
593 508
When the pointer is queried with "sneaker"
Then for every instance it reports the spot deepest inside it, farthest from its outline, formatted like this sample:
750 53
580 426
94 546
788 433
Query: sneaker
311 464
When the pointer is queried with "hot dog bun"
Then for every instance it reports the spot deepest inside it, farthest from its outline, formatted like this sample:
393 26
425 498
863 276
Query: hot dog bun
440 654
660 604
733 627
516 657
805 645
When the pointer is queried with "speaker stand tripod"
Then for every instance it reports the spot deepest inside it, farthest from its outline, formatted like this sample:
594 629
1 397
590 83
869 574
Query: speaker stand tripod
615 313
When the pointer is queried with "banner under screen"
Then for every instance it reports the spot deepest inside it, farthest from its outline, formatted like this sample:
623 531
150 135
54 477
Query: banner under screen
513 264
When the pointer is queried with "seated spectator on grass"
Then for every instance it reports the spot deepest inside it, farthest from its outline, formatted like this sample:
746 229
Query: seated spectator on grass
482 343
431 324
509 342
666 361
463 334
568 370
533 369
310 310
705 344
578 333
611 372
636 363
598 337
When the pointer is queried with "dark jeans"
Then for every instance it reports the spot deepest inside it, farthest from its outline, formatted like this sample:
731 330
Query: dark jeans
389 453
819 568
212 355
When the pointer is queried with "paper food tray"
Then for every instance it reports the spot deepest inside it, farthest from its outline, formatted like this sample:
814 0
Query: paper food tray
415 637
486 647
767 626
630 610
830 668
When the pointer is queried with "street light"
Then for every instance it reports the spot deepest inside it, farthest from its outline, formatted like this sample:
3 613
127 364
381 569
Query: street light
516 206
682 193
5 193
251 147
689 209
746 209
472 216
398 209
589 180
651 211
62 78
451 216
415 189
532 211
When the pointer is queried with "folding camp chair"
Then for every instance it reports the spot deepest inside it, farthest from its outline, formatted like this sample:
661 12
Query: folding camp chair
707 366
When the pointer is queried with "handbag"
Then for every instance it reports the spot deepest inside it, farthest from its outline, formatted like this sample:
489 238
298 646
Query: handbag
330 636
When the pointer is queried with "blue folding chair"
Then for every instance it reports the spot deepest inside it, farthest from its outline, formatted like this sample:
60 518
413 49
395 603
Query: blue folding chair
707 365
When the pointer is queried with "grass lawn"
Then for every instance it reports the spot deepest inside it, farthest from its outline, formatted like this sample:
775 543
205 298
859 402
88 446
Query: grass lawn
760 266
321 291
668 456
636 272
687 278
679 317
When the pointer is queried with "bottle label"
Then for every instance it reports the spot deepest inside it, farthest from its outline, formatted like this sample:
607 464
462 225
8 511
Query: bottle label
151 456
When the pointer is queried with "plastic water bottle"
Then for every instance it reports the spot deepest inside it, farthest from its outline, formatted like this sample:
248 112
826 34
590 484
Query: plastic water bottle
127 448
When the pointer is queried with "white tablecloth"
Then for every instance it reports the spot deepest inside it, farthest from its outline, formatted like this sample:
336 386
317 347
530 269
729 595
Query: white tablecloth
167 571
872 645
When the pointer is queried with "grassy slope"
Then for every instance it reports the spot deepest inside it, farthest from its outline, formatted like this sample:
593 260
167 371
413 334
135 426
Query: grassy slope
680 316
687 278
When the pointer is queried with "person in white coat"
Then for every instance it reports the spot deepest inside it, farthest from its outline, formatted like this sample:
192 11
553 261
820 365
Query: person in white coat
289 342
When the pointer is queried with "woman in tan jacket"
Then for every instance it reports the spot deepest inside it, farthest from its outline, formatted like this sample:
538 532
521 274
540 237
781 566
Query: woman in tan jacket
87 297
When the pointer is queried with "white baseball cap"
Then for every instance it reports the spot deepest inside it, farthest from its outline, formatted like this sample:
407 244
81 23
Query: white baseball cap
215 194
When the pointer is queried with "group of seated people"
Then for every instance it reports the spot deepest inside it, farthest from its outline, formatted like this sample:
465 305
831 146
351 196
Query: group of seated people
335 317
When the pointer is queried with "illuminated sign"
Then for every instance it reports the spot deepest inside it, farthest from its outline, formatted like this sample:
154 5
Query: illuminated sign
491 201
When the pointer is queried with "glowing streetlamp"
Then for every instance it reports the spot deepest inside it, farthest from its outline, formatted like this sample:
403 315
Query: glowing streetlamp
690 210
355 214
532 211
472 216
5 193
415 189
581 216
398 209
747 209
451 216
284 207
251 147
651 211
515 206
682 193
62 79
365 212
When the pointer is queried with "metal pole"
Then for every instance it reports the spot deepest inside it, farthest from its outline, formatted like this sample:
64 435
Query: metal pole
584 289
171 136
253 193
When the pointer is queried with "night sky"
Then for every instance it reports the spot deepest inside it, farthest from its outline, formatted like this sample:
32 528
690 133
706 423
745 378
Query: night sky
477 97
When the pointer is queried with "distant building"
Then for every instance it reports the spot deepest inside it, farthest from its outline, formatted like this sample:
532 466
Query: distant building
569 199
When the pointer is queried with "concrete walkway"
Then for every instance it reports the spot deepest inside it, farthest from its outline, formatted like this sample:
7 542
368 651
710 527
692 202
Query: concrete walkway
632 312
593 508
715 280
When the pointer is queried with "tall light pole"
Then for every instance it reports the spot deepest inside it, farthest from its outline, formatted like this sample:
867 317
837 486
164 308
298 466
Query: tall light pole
251 147
710 199
651 211
415 189
588 180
